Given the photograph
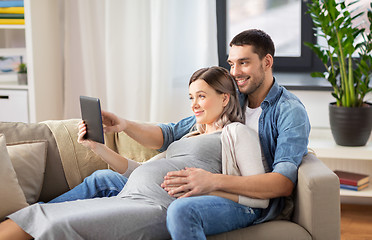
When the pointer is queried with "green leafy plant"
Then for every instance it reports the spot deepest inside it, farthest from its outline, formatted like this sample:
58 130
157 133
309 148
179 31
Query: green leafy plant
349 76
22 68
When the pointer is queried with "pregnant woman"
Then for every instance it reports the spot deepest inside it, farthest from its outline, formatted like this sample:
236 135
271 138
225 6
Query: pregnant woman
139 210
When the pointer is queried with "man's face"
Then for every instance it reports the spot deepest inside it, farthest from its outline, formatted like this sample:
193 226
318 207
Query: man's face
246 68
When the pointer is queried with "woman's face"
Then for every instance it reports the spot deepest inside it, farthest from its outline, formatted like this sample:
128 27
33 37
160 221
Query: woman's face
206 103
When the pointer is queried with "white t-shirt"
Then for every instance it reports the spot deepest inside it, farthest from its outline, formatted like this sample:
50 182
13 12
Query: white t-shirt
252 116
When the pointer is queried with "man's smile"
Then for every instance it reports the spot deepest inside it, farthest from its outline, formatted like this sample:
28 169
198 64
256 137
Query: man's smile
241 80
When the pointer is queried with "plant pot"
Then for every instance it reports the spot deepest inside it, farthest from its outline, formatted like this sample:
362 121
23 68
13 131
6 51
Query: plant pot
22 78
351 126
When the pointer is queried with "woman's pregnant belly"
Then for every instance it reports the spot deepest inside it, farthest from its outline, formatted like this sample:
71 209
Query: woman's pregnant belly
144 182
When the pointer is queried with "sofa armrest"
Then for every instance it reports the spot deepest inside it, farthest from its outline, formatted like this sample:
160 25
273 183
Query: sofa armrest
317 202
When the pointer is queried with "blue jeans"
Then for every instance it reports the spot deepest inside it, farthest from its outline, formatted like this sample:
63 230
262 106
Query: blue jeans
101 183
196 217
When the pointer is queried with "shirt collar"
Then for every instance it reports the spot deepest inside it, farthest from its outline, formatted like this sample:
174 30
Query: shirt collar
273 95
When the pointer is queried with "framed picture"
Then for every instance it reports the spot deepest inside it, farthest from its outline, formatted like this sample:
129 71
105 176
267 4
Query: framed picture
9 64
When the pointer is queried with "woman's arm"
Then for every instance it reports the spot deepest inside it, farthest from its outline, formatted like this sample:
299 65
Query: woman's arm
148 135
231 196
116 161
242 156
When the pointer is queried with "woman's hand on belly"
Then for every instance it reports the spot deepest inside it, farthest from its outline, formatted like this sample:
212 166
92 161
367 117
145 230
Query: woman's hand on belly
188 182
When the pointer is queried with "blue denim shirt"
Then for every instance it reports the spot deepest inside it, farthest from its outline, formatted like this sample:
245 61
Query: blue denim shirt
283 129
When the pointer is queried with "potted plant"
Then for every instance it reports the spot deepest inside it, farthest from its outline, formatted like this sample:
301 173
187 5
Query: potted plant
349 75
22 74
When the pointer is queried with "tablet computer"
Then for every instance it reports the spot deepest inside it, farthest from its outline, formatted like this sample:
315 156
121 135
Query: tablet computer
91 114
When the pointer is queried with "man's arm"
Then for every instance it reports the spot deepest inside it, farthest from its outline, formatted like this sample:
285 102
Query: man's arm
262 186
148 135
195 181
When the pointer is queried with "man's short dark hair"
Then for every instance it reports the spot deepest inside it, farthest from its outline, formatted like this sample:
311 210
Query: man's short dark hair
261 42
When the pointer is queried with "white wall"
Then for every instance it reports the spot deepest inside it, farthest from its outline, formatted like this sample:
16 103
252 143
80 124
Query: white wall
316 104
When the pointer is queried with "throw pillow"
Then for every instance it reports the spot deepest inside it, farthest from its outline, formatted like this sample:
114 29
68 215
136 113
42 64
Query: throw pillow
11 197
28 159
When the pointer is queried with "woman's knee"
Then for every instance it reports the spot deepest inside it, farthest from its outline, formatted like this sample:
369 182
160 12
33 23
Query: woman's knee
182 208
184 219
100 176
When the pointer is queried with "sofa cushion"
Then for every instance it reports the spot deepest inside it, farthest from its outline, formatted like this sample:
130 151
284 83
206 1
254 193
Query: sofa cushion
54 179
11 197
28 159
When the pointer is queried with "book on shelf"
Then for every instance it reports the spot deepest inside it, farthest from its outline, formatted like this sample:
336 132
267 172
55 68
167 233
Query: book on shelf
12 21
19 10
351 178
11 16
353 188
6 4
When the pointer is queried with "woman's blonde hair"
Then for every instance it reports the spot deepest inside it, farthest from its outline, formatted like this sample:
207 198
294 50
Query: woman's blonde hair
222 82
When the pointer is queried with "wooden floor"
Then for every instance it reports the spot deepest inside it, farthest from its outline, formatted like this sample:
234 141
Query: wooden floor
356 222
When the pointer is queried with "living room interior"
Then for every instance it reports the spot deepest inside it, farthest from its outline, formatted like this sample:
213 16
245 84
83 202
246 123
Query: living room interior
137 58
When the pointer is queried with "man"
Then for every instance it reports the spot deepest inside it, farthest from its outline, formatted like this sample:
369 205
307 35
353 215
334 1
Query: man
283 128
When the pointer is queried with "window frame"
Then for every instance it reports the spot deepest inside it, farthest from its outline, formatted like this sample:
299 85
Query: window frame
307 62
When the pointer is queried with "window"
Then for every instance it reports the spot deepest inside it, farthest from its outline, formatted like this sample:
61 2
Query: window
243 14
363 21
285 21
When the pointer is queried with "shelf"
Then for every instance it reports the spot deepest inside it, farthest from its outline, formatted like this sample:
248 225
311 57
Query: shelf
321 141
13 87
8 77
367 192
12 26
12 51
9 82
355 159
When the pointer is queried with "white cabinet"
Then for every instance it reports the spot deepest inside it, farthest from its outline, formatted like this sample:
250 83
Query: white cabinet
14 106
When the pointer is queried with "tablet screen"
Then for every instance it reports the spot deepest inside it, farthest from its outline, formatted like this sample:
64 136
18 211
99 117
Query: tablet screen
91 114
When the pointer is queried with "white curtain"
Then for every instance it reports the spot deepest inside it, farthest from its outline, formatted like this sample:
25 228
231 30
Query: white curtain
137 55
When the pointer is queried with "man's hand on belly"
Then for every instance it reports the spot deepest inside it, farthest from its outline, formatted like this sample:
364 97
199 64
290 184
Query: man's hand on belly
188 182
